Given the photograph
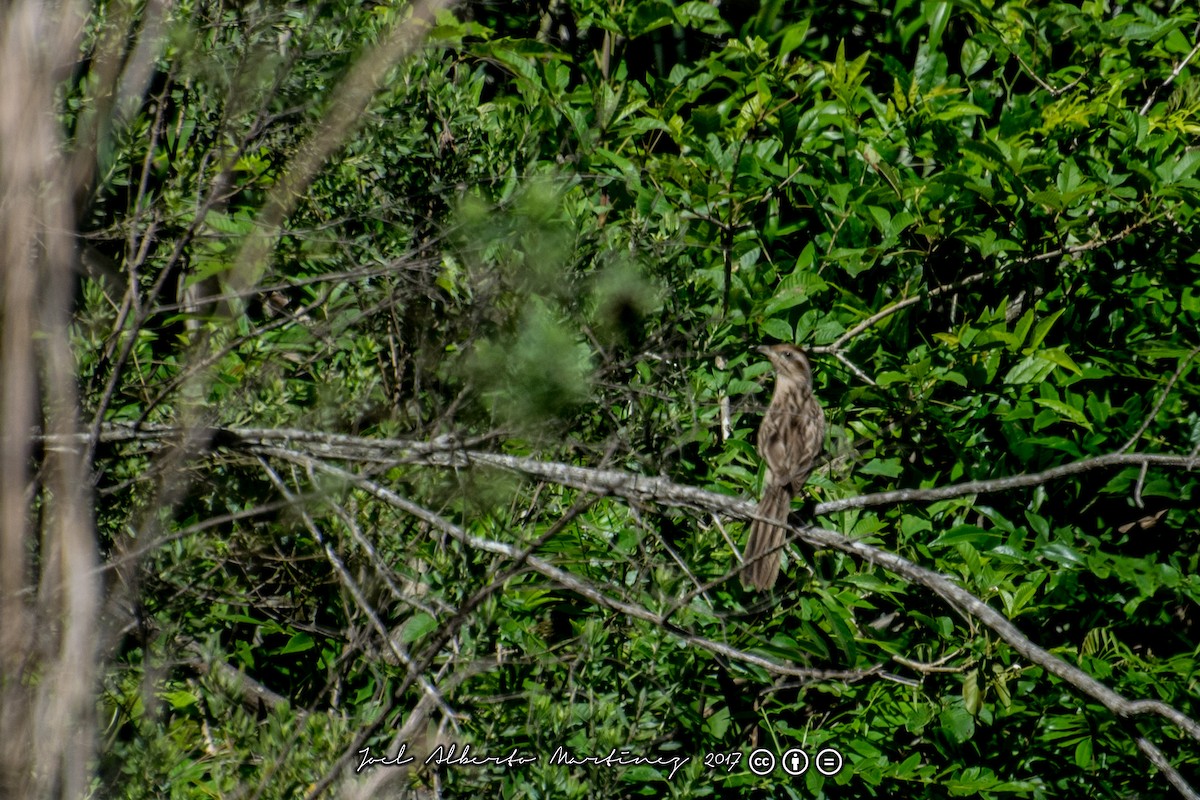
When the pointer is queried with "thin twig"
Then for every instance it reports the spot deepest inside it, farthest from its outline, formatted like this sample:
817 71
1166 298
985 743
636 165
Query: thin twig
1170 79
900 305
1162 398
389 639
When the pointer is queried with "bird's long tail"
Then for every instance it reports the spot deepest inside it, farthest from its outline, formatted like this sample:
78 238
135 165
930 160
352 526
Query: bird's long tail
765 545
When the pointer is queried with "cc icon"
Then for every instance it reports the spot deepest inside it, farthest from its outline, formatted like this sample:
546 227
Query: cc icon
761 761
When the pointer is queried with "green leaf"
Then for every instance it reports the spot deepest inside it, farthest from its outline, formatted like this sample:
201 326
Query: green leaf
1059 358
1030 369
889 467
651 15
1043 327
977 537
703 16
1022 329
971 694
779 329
974 55
957 724
1065 411
938 16
1083 754
793 36
1186 166
299 643
179 699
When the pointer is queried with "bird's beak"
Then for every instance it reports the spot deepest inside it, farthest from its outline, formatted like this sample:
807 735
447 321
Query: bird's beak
765 349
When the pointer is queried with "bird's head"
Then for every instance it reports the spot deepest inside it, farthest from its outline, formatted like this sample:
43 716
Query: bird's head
788 360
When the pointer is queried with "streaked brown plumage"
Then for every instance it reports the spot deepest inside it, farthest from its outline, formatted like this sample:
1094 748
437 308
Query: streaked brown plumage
789 440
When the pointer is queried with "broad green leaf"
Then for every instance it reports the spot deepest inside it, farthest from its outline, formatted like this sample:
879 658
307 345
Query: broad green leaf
778 329
974 55
1065 411
957 724
887 467
1042 328
299 643
971 693
1030 369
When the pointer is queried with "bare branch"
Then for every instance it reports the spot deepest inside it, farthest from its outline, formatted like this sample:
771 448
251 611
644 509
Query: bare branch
899 305
862 376
1159 760
1162 398
638 488
1170 79
392 642
1001 484
970 605
565 579
447 452
48 648
835 347
253 694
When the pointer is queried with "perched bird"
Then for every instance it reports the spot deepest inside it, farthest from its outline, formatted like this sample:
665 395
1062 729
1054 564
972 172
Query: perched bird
789 440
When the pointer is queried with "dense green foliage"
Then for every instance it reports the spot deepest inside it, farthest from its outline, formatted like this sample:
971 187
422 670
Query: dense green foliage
554 233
